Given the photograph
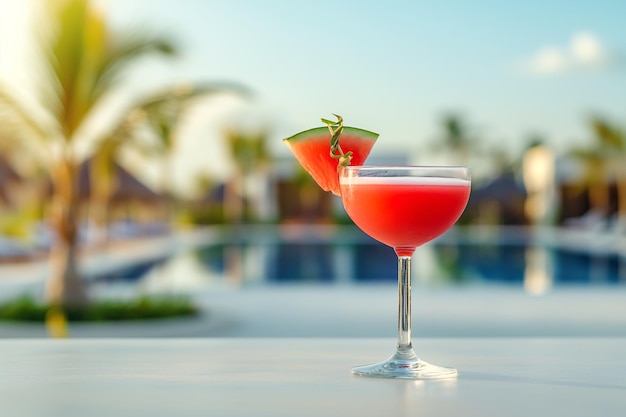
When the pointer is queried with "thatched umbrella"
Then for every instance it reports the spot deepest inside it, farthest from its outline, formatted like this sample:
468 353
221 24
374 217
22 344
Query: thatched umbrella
126 187
506 193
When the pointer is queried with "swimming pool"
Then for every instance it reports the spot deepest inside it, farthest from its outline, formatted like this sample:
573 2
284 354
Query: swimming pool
266 255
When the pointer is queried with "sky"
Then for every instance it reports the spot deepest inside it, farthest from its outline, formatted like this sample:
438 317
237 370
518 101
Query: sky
512 70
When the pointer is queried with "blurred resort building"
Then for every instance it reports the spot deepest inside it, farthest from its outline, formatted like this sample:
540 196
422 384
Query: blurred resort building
545 190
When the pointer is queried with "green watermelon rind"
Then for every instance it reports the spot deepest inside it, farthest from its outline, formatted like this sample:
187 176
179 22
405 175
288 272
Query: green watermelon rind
319 131
328 182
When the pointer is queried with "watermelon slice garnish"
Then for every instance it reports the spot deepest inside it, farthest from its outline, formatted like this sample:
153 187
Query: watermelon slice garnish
322 150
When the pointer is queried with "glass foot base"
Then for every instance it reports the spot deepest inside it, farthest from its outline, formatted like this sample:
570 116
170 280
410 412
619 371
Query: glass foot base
399 366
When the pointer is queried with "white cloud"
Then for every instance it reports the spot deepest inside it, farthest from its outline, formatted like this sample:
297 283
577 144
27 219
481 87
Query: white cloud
585 51
548 60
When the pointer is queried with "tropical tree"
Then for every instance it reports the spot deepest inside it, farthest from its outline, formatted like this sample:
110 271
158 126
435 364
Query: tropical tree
456 138
164 112
83 60
158 116
604 160
249 152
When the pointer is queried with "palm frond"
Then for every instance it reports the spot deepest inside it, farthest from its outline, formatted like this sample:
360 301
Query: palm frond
121 52
161 112
165 108
17 121
607 135
84 59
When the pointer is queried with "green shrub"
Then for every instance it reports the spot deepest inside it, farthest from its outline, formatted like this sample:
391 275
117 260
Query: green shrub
25 308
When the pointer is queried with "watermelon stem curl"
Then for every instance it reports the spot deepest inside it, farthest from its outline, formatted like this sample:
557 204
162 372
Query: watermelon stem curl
336 129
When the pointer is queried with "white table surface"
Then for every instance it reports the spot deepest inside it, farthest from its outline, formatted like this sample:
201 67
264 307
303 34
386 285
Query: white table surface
309 377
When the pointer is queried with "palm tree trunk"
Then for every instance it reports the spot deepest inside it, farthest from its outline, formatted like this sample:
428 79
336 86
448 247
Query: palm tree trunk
234 200
599 198
64 286
166 189
621 203
100 178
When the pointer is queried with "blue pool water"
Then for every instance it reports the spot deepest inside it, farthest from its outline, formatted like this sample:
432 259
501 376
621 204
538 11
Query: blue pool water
349 256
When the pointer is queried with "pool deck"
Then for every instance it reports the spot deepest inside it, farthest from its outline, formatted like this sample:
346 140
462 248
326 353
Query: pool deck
345 310
370 311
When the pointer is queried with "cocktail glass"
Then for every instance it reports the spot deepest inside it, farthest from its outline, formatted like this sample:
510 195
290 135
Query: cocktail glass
404 207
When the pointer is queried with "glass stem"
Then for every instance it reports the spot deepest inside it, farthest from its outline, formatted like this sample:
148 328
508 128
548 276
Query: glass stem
404 304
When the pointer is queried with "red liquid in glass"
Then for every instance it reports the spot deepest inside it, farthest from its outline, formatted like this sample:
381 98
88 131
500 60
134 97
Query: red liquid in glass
404 212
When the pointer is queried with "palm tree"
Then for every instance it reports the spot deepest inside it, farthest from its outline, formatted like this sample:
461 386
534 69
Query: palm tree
456 138
161 112
82 61
604 160
164 112
613 138
250 156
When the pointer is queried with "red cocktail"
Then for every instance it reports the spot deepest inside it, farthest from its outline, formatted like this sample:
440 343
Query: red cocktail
404 212
404 207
